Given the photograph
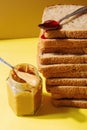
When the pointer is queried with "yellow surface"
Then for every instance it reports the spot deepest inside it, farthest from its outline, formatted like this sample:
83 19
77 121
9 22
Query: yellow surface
48 117
20 18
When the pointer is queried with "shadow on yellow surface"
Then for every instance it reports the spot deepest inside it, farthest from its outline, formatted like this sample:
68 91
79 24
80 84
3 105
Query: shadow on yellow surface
48 111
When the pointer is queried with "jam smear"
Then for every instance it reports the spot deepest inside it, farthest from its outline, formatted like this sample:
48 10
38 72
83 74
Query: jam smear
43 36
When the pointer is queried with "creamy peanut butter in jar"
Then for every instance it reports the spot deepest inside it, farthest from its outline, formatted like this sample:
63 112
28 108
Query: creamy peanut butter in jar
24 97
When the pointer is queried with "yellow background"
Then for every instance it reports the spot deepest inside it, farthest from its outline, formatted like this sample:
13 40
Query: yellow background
48 117
19 18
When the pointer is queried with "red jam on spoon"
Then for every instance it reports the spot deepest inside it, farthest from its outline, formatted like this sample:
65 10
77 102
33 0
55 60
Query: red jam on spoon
50 25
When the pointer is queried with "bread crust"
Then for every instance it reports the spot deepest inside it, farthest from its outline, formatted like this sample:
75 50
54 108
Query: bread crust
66 82
55 58
63 46
63 68
64 43
80 74
66 71
67 91
75 34
69 103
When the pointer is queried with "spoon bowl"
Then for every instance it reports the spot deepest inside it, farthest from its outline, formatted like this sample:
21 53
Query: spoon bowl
50 24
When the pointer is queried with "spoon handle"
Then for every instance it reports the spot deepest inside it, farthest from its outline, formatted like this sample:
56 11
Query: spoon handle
5 62
78 11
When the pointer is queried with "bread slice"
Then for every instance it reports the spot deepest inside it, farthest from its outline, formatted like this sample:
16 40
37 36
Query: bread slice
70 103
62 43
63 46
81 74
75 27
55 58
63 50
72 96
63 68
66 82
67 91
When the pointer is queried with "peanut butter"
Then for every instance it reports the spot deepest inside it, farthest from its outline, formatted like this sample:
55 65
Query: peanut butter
24 98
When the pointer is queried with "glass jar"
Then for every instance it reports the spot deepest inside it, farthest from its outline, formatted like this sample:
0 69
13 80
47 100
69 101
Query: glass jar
24 98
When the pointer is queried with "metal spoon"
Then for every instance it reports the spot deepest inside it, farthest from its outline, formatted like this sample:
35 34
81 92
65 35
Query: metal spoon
5 62
33 80
52 24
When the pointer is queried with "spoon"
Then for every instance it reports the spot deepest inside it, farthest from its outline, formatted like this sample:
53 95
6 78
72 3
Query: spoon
52 24
29 78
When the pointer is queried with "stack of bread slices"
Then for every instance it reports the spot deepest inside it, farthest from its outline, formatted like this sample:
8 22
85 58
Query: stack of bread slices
62 57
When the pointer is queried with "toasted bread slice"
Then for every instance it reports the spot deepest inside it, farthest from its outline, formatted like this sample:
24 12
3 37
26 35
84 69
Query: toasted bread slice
63 70
70 103
77 51
81 74
62 43
66 82
55 58
62 46
67 91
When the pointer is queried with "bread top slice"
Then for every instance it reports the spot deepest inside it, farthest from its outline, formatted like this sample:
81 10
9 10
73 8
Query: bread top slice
74 27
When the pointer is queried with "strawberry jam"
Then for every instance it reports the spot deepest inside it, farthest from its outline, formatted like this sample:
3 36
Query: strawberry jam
50 25
43 36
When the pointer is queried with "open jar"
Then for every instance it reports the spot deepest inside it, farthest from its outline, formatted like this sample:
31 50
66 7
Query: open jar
24 98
